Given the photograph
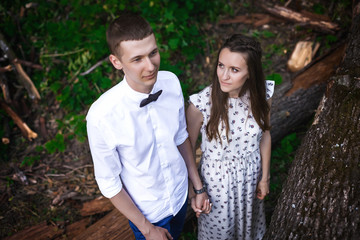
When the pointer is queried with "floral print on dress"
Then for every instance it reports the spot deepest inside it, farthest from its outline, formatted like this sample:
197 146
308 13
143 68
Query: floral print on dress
231 171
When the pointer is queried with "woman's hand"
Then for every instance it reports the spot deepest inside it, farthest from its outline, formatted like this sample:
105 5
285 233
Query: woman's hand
262 189
200 203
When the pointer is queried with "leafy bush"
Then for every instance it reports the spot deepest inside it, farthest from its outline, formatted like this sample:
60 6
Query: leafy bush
68 38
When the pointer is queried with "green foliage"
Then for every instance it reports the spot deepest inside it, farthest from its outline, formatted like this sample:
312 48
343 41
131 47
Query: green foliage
29 160
188 236
319 8
275 77
69 37
56 144
281 158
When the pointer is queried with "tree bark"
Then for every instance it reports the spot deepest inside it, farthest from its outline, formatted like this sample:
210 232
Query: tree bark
321 198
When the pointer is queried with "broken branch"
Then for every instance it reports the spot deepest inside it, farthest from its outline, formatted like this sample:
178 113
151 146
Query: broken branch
317 23
25 130
23 78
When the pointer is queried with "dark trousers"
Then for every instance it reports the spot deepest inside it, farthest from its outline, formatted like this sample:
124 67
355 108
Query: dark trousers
174 224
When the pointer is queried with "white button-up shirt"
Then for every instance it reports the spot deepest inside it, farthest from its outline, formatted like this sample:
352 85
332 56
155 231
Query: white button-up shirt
136 148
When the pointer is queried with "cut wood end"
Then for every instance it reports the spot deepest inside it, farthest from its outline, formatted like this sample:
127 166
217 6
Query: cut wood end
5 140
302 55
29 133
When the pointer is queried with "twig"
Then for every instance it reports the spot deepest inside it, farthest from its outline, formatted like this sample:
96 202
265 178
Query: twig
62 54
55 175
287 3
5 88
7 68
30 64
94 66
75 169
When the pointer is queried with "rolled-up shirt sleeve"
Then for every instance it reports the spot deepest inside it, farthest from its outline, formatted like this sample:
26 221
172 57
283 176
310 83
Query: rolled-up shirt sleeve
107 162
182 133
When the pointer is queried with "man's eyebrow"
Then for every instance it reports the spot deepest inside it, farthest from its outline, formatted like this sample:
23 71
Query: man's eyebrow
135 57
140 56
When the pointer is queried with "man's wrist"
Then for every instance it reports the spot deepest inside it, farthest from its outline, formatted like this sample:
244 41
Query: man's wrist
199 191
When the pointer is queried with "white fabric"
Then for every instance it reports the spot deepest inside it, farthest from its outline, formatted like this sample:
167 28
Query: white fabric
136 148
231 172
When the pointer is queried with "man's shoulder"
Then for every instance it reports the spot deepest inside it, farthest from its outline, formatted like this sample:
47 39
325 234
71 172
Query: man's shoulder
168 80
166 75
105 102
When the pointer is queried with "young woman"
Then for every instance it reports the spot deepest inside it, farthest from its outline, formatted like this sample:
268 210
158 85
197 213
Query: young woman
233 116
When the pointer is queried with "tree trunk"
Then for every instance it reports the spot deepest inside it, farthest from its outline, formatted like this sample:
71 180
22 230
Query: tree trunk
321 197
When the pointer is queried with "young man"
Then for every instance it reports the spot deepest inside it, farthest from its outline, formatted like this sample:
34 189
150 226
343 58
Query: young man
140 148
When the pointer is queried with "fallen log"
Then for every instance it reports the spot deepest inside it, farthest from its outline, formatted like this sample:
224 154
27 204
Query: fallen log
25 130
77 228
39 232
314 21
113 226
255 19
95 206
294 102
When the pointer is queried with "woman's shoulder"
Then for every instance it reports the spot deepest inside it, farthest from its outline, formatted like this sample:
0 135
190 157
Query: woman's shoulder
202 95
201 99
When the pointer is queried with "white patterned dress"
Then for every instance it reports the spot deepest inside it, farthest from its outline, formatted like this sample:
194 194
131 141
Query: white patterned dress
231 172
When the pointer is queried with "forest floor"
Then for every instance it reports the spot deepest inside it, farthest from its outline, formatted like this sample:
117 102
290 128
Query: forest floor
57 186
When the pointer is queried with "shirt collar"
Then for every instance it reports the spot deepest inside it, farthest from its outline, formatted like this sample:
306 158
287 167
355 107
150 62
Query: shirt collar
138 96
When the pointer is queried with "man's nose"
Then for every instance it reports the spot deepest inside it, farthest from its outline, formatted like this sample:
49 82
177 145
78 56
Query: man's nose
149 65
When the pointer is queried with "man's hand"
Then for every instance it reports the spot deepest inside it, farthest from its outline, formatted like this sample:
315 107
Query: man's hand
262 189
156 233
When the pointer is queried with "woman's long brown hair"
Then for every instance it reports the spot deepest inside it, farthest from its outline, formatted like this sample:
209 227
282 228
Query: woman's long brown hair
255 84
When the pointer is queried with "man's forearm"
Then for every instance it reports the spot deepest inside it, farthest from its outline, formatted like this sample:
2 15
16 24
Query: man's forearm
126 206
187 153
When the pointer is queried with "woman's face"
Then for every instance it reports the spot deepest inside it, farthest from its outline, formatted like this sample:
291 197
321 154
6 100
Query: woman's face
232 72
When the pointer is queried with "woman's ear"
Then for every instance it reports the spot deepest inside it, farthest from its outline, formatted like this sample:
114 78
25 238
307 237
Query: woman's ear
115 61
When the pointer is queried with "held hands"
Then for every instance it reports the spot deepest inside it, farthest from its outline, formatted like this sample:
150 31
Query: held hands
200 203
262 189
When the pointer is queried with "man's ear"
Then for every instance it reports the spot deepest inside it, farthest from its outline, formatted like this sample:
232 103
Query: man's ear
115 61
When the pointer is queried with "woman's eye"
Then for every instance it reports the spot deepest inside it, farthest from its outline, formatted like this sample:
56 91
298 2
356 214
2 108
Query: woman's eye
235 70
220 65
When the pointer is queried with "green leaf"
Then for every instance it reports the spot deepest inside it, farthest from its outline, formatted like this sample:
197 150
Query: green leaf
276 77
174 43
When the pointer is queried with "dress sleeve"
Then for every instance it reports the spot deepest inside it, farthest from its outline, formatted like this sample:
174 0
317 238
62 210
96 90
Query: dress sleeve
200 100
270 85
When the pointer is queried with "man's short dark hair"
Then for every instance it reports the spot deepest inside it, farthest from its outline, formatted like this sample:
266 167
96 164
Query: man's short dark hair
126 27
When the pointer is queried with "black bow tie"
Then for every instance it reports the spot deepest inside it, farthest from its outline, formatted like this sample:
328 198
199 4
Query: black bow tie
151 98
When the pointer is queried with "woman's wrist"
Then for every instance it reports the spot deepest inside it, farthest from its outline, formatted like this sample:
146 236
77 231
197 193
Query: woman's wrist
199 191
265 179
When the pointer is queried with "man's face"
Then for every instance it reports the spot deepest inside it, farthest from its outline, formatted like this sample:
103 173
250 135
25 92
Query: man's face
140 61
